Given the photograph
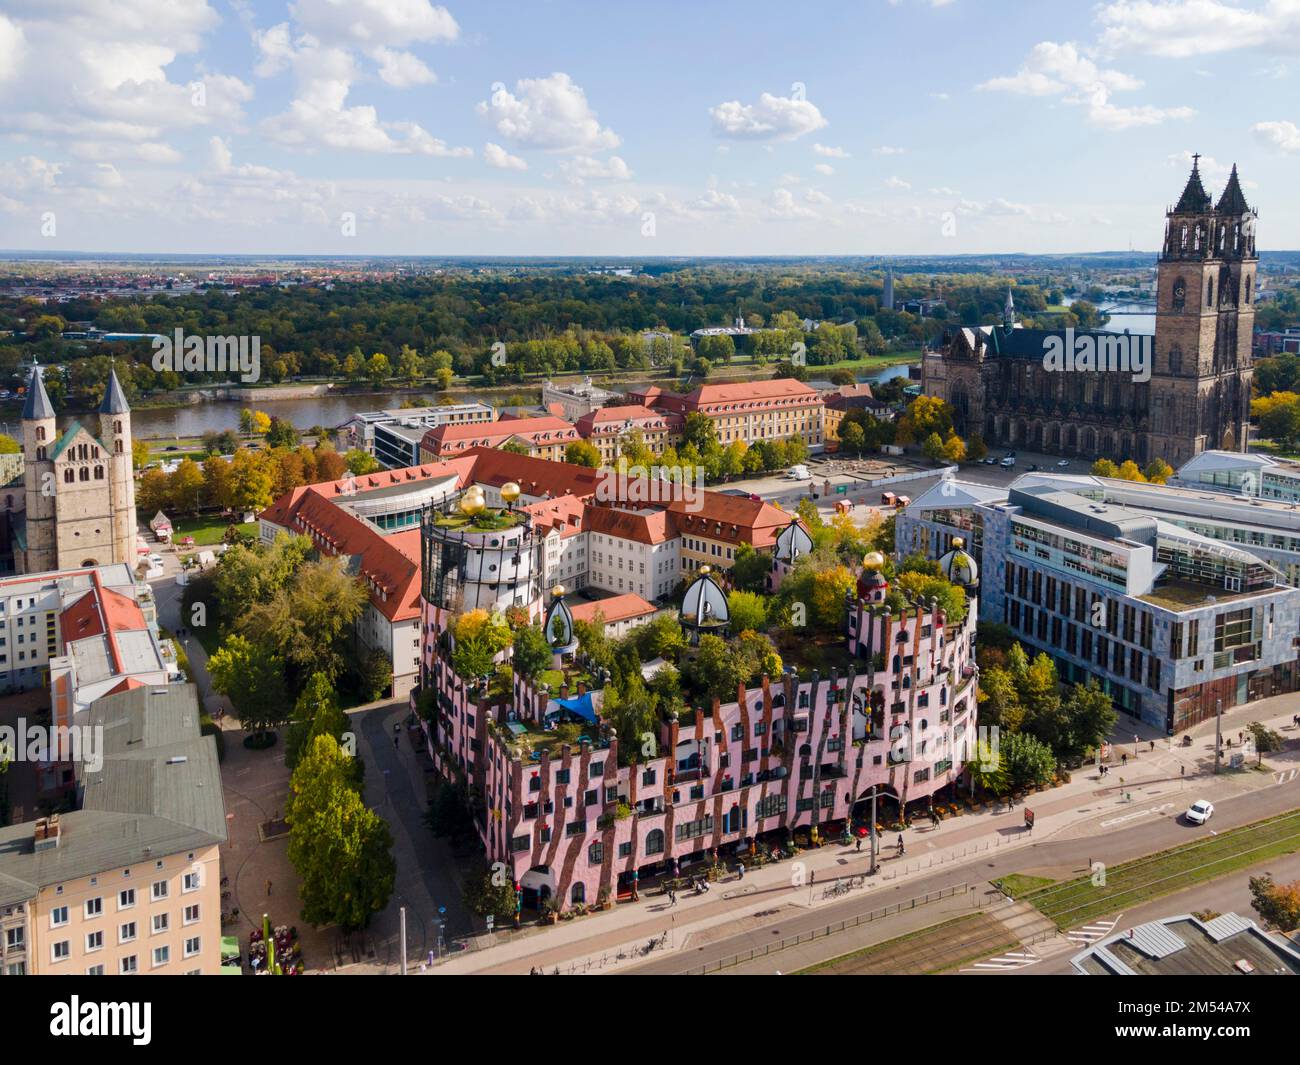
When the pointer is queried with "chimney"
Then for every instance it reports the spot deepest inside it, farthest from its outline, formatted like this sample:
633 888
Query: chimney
47 833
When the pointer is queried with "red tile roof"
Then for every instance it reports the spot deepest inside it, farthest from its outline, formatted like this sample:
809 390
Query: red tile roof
455 439
608 420
648 527
617 608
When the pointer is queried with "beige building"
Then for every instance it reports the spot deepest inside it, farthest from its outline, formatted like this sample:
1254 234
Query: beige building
750 411
609 427
79 490
129 882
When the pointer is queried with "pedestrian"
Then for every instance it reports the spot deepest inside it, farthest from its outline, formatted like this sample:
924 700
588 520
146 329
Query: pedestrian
812 877
1153 745
1124 757
268 889
1182 770
740 870
859 844
397 742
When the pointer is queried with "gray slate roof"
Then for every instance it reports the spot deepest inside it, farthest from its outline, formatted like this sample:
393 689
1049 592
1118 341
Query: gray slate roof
142 804
37 404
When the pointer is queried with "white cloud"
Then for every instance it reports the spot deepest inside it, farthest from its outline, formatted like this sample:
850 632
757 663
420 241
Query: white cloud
402 70
496 156
12 47
367 24
1053 69
885 149
1179 29
825 169
815 196
582 168
897 183
79 73
782 205
773 118
830 152
550 114
1283 135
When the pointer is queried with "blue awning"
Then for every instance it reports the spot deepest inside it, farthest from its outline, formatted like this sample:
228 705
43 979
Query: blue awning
579 705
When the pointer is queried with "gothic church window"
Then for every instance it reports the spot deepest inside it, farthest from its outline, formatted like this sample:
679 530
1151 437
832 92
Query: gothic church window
68 475
85 474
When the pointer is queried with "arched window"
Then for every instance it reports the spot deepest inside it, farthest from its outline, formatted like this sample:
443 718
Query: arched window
84 474
40 432
654 841
117 425
1209 291
99 473
578 893
69 476
117 447
1248 280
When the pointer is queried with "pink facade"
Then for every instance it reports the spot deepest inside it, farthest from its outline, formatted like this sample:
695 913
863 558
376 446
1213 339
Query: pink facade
786 754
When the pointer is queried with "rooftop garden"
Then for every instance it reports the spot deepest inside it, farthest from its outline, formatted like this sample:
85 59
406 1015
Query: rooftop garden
484 521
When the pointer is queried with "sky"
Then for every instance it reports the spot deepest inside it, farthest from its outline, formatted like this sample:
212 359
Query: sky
611 127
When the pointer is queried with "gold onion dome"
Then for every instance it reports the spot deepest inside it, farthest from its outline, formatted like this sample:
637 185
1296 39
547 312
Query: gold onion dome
873 560
510 491
558 591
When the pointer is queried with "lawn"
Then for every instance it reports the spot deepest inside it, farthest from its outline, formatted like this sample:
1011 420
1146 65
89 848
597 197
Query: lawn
1017 884
935 949
209 530
1076 902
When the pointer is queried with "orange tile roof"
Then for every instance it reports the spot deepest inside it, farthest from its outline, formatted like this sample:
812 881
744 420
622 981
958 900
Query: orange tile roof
651 527
617 608
612 419
730 519
456 438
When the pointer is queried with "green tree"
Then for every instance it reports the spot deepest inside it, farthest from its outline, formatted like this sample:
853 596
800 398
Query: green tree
582 453
748 611
361 462
1028 760
316 713
1278 905
1265 740
716 669
750 568
251 676
340 849
532 653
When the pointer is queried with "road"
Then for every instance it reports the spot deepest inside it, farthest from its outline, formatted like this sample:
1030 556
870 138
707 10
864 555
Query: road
1059 859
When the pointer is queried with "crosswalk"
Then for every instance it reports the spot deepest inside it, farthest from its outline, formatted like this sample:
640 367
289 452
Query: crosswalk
1090 933
1013 959
1285 776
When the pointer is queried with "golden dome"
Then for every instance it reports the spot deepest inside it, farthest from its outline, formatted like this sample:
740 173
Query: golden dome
472 502
557 591
704 571
510 491
958 541
873 560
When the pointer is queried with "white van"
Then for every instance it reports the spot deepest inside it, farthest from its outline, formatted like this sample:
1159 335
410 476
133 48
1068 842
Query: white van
798 473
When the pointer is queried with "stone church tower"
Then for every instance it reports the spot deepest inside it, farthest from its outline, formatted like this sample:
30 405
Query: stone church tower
1205 314
79 489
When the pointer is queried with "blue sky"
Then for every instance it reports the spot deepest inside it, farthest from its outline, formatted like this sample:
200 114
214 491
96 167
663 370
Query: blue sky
674 128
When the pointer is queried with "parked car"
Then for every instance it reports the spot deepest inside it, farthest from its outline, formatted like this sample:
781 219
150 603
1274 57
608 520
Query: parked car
1062 464
1199 812
990 461
1008 462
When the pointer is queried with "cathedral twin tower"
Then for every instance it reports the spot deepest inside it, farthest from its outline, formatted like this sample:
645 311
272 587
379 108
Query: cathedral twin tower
79 505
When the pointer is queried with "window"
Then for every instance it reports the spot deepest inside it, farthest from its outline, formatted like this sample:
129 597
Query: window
191 914
95 970
128 965
126 898
94 941
159 890
192 946
161 956
160 923
58 916
596 854
15 939
94 908
190 882
61 951
654 841
126 932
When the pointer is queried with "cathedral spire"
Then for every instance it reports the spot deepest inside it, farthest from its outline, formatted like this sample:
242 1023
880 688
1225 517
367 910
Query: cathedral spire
1194 197
1233 200
37 405
1009 311
114 398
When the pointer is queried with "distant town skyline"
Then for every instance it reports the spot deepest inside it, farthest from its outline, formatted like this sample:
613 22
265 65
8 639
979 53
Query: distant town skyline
401 127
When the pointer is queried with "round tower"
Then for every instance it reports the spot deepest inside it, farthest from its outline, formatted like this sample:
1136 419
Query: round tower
39 437
115 435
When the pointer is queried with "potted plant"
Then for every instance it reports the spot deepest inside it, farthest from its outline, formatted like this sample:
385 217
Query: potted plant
604 899
550 909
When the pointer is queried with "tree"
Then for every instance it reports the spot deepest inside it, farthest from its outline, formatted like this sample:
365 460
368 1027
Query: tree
999 702
532 653
717 669
661 638
932 447
985 768
829 589
140 452
375 675
1158 471
1090 715
582 453
1265 740
251 676
1028 760
154 491
360 462
261 423
281 434
250 483
316 713
1104 468
925 415
954 448
492 894
698 431
341 850
852 437
378 369
749 569
480 637
186 486
1278 905
748 611
515 447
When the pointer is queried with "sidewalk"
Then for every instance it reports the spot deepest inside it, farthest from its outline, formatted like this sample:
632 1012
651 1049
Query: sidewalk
597 940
